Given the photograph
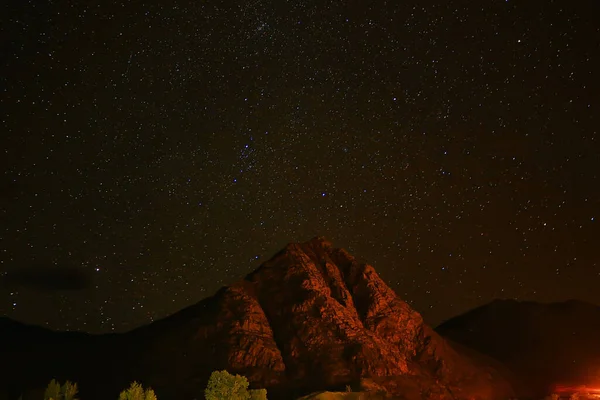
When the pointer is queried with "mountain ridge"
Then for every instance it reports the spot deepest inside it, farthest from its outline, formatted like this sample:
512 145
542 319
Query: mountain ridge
310 318
534 340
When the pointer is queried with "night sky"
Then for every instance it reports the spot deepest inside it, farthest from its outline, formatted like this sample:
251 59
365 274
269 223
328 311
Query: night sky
153 152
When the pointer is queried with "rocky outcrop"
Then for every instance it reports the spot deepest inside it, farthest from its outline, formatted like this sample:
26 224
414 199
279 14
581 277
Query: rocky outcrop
314 318
311 318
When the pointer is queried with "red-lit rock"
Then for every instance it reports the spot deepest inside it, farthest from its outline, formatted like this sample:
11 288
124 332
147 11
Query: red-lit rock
311 318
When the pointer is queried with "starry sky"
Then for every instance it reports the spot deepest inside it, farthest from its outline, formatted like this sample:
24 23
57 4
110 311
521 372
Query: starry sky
154 151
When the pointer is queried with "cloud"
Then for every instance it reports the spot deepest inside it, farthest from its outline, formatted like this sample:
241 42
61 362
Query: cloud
47 278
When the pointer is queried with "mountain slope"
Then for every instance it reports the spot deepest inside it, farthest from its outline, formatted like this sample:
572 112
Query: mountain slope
543 344
311 318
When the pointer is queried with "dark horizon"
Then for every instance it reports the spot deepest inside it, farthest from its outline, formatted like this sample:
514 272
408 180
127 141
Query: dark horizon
434 326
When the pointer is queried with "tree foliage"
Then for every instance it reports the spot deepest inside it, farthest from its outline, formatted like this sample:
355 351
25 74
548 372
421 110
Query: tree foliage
54 391
223 385
137 392
69 391
258 394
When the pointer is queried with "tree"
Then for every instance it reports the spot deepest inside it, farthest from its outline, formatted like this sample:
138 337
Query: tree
69 391
258 394
222 385
137 392
55 391
52 391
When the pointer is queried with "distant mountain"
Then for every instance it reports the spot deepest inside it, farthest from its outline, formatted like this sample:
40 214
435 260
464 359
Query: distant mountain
311 318
544 345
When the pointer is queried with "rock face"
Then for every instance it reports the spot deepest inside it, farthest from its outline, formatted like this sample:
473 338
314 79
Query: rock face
311 318
314 318
545 345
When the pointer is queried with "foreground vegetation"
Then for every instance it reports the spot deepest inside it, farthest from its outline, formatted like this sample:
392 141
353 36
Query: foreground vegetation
221 385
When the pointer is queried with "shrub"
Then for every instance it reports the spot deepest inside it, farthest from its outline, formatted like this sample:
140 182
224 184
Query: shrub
52 391
258 394
55 391
137 392
69 391
223 385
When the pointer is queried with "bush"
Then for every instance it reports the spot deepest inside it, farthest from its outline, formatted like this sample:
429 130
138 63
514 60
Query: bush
52 391
55 391
258 394
223 385
137 392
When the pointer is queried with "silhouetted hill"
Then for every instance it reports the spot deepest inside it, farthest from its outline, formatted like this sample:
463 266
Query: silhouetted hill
311 318
543 344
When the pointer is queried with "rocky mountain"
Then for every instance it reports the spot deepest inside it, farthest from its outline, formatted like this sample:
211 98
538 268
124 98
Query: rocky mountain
545 345
311 318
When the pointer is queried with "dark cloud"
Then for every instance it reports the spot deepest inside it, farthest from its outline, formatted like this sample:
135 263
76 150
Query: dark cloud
47 278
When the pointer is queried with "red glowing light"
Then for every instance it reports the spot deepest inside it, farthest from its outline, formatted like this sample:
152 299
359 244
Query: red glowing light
580 389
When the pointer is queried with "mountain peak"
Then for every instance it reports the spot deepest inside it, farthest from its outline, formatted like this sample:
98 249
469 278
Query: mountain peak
329 320
310 318
319 241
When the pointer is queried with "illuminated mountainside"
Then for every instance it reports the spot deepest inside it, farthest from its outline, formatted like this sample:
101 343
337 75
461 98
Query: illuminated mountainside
311 318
